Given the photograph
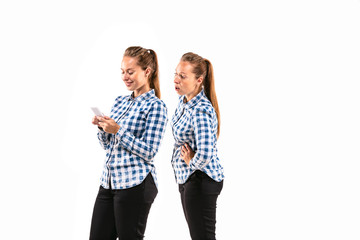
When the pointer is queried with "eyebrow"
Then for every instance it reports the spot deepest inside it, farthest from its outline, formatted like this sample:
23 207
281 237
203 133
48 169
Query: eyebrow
181 72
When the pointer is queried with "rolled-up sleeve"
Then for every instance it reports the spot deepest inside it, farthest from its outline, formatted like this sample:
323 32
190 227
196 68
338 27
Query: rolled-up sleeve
104 138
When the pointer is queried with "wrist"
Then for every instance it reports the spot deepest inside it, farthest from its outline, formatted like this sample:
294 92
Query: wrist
116 129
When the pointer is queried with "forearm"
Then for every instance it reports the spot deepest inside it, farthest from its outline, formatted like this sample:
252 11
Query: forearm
135 145
200 159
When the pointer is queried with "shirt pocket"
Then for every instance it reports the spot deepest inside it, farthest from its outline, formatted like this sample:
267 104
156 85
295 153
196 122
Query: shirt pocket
134 123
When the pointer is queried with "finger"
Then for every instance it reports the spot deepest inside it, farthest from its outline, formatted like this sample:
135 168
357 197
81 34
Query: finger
190 149
183 147
106 117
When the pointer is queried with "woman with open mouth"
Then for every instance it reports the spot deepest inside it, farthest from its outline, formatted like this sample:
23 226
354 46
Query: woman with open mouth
196 127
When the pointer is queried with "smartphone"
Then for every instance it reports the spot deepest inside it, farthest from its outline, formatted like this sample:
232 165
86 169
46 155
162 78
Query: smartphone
97 112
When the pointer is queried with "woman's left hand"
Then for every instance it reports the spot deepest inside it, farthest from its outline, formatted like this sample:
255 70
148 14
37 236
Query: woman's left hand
108 125
186 153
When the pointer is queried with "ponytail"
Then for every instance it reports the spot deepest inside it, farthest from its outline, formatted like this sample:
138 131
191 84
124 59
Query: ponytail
203 67
147 58
209 89
154 77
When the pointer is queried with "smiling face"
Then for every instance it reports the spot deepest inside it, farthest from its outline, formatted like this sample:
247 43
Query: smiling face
186 82
134 77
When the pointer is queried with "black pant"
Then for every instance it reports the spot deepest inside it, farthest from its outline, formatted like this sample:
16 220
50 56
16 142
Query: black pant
198 197
122 213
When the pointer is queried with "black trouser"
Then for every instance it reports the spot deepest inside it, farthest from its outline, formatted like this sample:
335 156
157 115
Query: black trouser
122 213
198 197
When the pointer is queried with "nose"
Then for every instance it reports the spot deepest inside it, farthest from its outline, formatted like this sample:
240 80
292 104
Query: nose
176 80
125 76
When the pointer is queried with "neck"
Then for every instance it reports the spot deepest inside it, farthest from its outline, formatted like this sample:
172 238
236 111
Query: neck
190 96
141 90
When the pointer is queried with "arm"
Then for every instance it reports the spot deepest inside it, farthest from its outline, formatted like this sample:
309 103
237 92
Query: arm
106 124
204 140
147 146
104 138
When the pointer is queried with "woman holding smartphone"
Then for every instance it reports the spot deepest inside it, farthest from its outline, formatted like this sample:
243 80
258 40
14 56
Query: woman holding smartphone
196 127
131 137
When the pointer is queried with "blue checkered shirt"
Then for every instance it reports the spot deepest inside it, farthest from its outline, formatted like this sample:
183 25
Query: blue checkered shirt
195 123
130 152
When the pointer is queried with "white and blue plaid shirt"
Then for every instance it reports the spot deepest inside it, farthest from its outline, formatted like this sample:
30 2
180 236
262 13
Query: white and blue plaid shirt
130 152
195 123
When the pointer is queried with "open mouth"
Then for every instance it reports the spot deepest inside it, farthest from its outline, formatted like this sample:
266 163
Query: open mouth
177 88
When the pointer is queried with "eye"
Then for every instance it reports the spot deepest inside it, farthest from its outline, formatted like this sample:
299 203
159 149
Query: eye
180 76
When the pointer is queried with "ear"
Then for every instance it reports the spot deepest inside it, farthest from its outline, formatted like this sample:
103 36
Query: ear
200 79
147 72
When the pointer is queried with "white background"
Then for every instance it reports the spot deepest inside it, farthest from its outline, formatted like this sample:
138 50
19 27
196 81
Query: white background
287 78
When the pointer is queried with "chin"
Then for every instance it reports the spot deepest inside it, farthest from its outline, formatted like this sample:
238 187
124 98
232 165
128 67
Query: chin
179 92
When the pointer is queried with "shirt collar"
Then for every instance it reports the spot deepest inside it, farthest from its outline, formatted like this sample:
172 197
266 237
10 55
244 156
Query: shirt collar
143 96
193 101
